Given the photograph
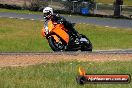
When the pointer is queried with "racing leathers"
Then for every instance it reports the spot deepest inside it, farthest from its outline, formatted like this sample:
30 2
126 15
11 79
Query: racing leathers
55 18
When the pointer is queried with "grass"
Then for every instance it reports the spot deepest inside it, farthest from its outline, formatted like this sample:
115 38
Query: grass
20 11
61 75
21 35
24 36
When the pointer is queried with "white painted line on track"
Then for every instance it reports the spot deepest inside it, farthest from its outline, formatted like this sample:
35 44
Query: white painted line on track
32 19
113 27
21 18
106 26
11 17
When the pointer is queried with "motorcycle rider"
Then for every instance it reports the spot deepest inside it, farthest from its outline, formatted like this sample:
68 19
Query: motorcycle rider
57 19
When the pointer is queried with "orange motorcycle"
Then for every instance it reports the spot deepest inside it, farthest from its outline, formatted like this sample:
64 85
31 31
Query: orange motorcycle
61 39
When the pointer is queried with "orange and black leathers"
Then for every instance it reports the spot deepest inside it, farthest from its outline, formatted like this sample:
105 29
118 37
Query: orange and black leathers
57 19
51 28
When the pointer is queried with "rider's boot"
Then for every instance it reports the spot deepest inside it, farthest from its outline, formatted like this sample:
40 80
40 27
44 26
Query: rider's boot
77 38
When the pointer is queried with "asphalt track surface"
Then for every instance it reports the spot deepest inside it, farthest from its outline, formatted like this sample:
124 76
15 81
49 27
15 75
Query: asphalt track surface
129 51
108 22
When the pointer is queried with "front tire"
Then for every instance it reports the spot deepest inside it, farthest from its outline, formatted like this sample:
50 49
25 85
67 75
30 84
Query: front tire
55 46
86 45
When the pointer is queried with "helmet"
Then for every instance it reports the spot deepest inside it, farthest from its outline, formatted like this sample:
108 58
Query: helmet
48 12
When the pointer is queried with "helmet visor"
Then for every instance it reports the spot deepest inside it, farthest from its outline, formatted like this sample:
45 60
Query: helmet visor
47 14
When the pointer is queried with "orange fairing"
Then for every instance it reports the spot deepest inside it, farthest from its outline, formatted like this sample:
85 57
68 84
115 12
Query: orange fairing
56 38
50 25
60 32
43 32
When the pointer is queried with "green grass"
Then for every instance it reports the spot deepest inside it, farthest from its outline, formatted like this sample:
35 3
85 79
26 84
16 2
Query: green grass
19 11
21 35
61 75
24 36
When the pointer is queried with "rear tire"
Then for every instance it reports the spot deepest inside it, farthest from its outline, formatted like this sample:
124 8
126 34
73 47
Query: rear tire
54 45
86 45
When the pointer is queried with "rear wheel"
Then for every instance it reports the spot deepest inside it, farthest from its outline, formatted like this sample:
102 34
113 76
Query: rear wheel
86 45
55 46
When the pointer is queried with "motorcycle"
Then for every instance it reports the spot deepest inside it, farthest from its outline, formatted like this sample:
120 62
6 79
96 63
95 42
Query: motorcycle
61 39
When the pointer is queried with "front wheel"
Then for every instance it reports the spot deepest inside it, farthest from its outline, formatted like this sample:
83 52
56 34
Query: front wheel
86 45
55 46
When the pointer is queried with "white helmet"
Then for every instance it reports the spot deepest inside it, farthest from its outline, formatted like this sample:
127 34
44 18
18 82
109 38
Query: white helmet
47 11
